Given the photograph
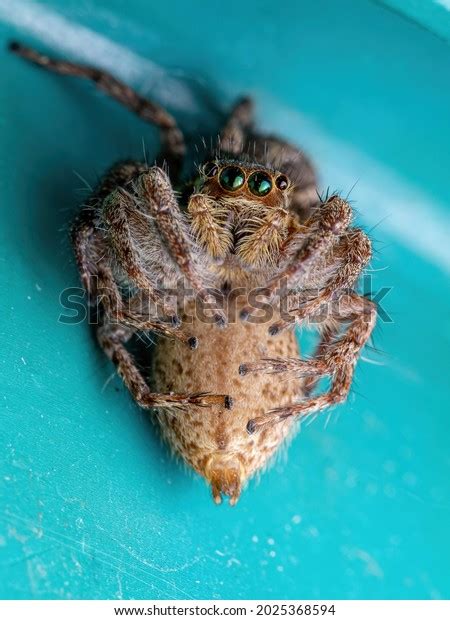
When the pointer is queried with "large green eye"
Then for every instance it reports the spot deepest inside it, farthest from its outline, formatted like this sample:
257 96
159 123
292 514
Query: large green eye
232 178
260 183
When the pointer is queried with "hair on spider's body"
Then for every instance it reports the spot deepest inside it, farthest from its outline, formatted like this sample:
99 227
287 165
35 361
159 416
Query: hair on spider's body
250 223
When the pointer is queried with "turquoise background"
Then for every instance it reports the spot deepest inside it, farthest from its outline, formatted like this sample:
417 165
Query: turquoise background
92 505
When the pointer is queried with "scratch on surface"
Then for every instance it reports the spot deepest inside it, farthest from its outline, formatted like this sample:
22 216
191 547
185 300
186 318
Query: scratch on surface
145 562
118 565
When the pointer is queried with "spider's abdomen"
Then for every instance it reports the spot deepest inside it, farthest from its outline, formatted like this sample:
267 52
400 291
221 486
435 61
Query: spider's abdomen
214 440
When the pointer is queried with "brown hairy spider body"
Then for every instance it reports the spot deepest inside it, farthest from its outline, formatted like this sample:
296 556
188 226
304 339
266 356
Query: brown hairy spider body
255 252
215 442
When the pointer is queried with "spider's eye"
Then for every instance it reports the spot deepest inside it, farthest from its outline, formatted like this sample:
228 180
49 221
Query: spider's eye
210 169
260 183
232 178
282 182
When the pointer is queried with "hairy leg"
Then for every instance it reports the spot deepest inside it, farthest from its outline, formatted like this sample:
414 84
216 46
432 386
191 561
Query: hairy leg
338 361
171 136
352 253
329 333
90 245
331 220
117 176
98 280
155 193
112 337
119 324
234 134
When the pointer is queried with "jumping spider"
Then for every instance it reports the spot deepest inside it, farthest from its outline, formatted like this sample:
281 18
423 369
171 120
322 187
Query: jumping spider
243 225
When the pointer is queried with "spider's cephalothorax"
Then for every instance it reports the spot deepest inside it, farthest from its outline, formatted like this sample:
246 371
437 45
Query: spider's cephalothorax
239 215
248 229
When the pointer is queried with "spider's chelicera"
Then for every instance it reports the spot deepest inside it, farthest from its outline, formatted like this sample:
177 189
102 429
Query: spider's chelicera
254 231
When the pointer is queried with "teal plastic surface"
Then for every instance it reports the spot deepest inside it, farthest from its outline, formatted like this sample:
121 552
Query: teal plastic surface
92 505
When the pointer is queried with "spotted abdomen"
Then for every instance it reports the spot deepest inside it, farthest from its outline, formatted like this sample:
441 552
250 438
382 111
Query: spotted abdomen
214 440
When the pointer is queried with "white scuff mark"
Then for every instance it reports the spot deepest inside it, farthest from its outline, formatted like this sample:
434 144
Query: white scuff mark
79 523
371 566
76 563
232 561
32 580
382 196
13 533
85 45
119 593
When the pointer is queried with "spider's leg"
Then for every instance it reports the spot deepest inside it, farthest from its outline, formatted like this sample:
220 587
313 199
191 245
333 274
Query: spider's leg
153 189
137 319
340 360
171 136
234 133
112 337
356 249
328 334
99 282
119 324
86 238
330 222
118 175
324 231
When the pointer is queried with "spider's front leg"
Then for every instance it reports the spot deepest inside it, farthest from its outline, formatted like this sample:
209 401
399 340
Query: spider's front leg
308 247
351 254
92 256
153 196
338 360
